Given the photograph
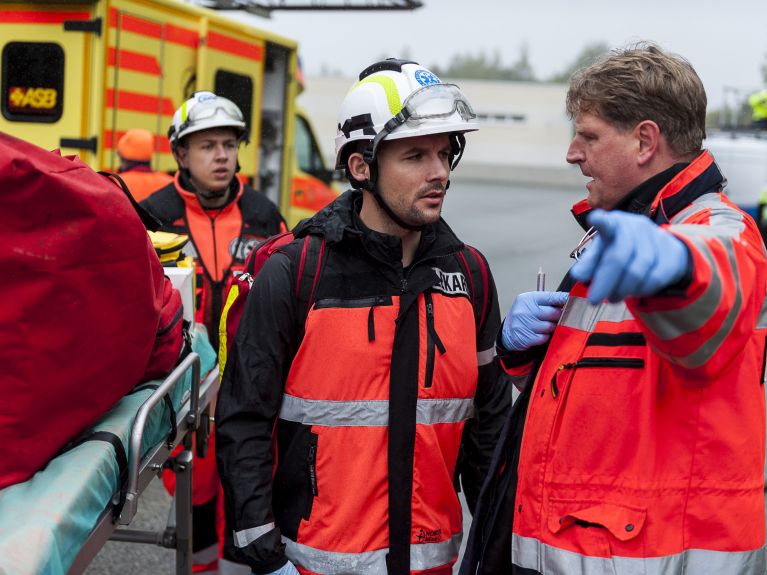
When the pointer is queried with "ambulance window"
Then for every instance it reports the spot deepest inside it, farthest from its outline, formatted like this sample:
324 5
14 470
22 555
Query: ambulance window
239 89
307 152
32 81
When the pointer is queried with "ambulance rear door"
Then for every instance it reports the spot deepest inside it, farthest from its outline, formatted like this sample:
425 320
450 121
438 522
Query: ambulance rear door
46 72
151 70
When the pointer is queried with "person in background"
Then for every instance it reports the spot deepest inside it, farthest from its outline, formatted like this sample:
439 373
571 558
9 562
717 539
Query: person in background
365 397
224 220
758 103
637 445
135 149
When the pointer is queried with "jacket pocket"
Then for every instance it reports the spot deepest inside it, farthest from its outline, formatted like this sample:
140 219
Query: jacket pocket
594 362
600 529
596 430
433 341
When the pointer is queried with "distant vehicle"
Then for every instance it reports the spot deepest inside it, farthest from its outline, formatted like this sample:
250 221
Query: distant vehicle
740 150
742 156
77 75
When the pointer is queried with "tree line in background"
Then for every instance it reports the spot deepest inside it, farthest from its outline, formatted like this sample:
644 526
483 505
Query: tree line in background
482 66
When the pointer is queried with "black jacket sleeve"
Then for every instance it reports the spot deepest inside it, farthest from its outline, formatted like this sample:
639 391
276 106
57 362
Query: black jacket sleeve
248 404
492 403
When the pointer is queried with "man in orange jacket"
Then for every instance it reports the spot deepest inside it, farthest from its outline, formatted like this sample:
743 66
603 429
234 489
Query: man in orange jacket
224 219
643 400
135 149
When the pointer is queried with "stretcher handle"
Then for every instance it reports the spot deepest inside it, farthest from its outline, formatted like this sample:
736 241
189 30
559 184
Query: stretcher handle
191 361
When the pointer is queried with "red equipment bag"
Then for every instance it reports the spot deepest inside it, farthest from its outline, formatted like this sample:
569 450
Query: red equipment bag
82 292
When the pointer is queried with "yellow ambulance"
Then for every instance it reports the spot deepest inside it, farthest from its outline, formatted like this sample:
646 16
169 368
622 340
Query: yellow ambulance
77 75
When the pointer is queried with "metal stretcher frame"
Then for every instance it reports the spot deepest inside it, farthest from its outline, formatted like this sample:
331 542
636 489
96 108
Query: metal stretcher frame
141 471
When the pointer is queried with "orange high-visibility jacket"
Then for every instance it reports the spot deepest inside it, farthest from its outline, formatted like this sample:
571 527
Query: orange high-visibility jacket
220 239
643 448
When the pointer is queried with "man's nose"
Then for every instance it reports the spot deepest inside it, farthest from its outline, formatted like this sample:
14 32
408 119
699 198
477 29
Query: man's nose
439 169
574 154
221 152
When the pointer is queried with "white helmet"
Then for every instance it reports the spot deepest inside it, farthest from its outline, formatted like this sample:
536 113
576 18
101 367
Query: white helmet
399 99
203 111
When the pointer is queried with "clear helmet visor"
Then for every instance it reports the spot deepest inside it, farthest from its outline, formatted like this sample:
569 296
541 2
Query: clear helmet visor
208 109
432 102
437 101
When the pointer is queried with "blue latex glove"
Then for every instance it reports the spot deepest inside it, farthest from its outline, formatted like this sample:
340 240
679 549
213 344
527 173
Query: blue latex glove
287 569
532 318
631 256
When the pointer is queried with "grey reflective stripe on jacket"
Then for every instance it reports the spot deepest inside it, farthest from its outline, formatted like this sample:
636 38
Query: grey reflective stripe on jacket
532 554
423 556
247 536
370 413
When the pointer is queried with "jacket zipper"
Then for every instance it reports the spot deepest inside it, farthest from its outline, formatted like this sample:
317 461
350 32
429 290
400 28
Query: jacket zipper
432 340
311 468
311 462
624 362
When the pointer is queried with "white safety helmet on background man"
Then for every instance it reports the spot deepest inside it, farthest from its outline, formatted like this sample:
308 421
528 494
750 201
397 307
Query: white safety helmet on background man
204 111
399 99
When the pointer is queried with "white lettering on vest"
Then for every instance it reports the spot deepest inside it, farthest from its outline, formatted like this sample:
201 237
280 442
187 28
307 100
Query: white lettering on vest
451 283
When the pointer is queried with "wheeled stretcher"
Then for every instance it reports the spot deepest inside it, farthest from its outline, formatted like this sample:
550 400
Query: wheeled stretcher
57 521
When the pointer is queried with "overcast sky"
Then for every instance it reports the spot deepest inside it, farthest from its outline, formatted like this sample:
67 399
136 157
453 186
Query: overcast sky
726 45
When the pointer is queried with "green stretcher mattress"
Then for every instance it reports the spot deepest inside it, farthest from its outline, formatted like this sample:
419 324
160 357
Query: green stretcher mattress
45 521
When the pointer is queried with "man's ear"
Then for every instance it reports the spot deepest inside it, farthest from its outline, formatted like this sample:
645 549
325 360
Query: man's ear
358 168
649 136
180 154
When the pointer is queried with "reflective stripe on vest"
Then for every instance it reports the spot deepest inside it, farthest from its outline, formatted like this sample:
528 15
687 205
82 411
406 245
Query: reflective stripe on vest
422 556
247 536
530 553
485 357
370 413
580 314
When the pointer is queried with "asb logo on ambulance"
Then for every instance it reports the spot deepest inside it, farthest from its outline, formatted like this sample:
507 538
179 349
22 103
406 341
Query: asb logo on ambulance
29 100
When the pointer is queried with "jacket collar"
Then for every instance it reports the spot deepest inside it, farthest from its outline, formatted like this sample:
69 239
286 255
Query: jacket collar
184 188
663 195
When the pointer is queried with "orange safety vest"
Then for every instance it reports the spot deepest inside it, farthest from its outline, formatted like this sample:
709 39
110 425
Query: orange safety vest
350 426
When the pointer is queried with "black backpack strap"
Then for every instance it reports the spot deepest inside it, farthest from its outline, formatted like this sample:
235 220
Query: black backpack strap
479 277
150 222
310 261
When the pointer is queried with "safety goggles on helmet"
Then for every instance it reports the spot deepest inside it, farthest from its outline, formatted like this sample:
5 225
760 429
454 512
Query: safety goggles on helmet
432 102
204 112
208 109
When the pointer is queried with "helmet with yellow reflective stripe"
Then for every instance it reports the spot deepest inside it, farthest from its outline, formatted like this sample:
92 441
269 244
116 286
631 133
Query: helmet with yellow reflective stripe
396 99
204 111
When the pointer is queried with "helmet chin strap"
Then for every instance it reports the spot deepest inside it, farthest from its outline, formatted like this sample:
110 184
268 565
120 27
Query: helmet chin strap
371 186
457 146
